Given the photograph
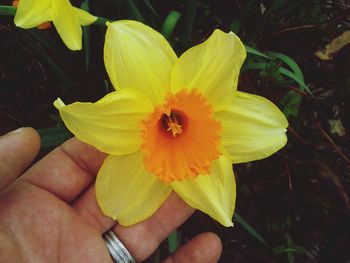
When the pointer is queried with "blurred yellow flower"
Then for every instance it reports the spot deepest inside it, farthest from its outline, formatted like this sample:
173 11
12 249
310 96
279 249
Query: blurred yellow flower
66 18
173 124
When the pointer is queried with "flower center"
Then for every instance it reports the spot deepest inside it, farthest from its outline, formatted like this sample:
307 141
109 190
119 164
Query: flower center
172 123
180 138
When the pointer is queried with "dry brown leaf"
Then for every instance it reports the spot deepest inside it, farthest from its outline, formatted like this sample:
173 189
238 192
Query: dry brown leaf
337 127
334 46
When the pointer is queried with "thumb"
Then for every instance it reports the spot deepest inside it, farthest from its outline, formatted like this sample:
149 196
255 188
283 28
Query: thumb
17 150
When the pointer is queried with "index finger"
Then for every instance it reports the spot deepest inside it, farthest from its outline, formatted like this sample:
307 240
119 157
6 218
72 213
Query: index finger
17 150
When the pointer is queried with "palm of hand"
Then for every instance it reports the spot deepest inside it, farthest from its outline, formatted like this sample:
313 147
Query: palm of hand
47 228
50 213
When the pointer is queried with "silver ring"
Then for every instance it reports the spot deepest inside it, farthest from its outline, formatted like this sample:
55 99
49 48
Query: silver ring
118 251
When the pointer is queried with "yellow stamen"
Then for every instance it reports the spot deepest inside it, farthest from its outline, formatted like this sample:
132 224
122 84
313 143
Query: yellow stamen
173 125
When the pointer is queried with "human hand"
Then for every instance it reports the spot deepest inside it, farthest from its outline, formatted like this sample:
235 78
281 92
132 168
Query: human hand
50 213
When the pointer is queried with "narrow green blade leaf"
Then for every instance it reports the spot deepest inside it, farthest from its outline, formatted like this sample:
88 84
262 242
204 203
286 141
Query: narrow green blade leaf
290 257
86 37
190 15
170 23
101 21
289 61
134 11
279 250
43 37
51 137
255 52
6 10
296 78
254 66
173 241
150 7
235 26
283 71
249 229
40 52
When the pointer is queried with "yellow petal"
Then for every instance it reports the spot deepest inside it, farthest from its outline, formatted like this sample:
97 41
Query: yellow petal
211 67
138 57
31 13
111 124
253 128
213 194
66 23
126 192
84 18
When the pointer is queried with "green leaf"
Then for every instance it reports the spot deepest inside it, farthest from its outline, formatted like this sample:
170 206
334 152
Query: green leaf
173 241
279 250
289 240
170 23
296 74
296 78
155 257
86 37
150 7
51 137
249 229
255 52
272 70
7 10
289 61
190 15
235 26
282 70
42 36
290 257
254 66
134 11
291 103
40 52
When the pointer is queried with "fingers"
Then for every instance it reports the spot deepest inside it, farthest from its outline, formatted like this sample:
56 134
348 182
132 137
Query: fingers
204 248
155 229
67 170
17 151
86 206
143 238
140 239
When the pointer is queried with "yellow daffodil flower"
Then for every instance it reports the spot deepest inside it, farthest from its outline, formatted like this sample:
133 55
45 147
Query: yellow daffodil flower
66 18
173 124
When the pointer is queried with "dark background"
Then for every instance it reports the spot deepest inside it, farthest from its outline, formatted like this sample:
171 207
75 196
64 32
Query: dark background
297 199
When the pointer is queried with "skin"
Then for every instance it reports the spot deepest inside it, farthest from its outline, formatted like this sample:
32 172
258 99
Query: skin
50 213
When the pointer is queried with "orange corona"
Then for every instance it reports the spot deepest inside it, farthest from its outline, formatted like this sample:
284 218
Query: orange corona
181 137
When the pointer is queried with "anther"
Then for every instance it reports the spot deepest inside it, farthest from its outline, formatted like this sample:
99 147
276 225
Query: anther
173 124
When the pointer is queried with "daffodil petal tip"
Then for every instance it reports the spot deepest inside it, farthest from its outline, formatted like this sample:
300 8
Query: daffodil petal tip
58 103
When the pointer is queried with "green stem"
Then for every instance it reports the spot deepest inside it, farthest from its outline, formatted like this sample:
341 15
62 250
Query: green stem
101 21
6 10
